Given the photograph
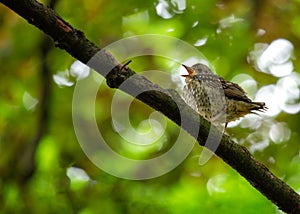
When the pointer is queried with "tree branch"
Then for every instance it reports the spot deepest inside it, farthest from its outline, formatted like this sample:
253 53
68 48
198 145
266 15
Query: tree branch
166 101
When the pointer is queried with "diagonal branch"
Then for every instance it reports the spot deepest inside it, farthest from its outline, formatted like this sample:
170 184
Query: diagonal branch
166 101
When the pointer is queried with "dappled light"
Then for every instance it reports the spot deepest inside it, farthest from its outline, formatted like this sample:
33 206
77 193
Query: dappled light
167 9
276 58
68 77
79 71
63 78
288 91
228 22
29 101
279 133
214 184
200 42
77 174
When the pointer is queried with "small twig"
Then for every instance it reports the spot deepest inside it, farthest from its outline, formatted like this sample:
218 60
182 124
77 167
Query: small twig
127 63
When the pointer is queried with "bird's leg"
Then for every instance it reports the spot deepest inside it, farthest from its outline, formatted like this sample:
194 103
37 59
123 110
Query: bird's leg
225 127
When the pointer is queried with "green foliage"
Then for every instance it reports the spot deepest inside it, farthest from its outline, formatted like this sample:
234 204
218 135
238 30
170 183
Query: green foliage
229 30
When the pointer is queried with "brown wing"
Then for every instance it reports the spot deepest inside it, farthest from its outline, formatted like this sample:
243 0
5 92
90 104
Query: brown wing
234 91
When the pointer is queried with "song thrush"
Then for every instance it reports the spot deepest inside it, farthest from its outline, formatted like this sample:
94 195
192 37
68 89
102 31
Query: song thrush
214 98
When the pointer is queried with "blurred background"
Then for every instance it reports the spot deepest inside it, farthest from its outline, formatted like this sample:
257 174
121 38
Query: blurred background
42 166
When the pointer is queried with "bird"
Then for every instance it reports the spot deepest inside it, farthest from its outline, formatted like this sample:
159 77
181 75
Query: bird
216 99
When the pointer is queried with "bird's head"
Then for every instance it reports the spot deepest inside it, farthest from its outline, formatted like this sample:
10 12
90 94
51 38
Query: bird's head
191 71
195 69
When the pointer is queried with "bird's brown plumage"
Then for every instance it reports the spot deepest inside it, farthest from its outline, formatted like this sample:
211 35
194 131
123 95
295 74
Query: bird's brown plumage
215 98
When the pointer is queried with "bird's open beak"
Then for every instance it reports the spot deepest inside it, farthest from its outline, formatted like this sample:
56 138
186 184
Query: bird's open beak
189 70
